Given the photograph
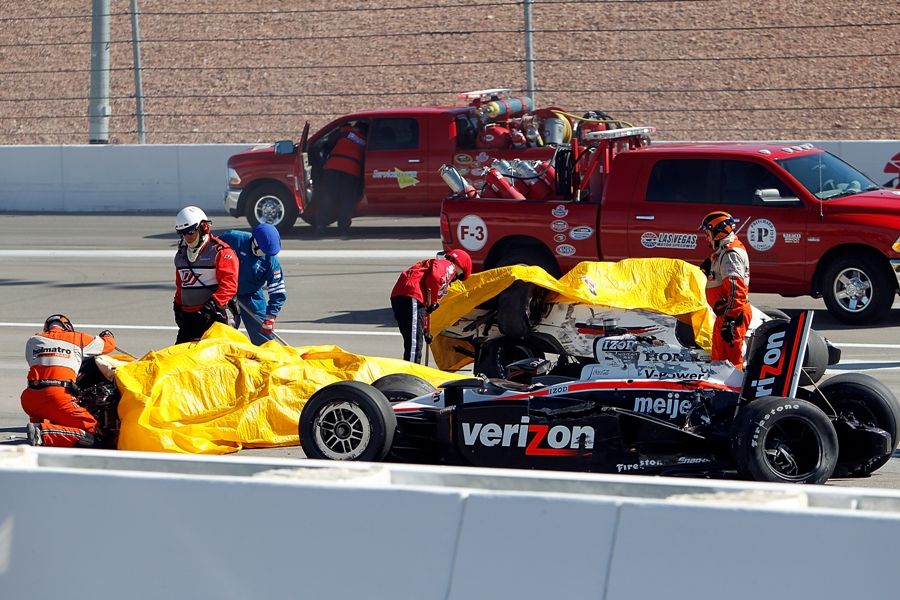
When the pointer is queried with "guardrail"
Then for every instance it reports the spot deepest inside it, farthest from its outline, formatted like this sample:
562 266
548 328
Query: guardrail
124 524
165 178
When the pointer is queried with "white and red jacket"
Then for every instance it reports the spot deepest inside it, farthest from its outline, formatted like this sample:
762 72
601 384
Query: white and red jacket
213 274
728 284
57 354
426 281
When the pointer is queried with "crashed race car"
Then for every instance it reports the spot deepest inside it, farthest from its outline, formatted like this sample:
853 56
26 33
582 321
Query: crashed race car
761 424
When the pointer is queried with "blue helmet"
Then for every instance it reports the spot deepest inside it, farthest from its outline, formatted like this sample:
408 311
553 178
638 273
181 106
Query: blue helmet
267 238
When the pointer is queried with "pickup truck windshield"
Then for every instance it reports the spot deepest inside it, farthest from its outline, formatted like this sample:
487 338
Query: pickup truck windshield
826 176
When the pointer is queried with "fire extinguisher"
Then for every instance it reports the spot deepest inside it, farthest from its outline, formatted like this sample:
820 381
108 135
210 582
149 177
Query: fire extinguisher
539 180
498 186
458 184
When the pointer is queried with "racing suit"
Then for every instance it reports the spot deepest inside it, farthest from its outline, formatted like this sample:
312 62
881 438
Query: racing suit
417 292
54 358
255 273
204 288
727 289
342 178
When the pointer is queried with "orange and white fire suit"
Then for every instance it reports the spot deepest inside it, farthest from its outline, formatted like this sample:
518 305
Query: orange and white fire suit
727 291
54 358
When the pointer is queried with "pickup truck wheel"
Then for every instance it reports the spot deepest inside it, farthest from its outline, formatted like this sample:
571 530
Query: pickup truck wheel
858 290
272 204
864 399
347 420
785 440
529 256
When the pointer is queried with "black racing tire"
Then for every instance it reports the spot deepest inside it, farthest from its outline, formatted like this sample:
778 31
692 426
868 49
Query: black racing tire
864 398
858 289
273 204
785 440
494 356
402 386
347 420
518 308
535 256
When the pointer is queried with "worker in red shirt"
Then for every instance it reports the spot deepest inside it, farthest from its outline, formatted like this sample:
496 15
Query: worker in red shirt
727 287
51 399
419 290
342 178
206 277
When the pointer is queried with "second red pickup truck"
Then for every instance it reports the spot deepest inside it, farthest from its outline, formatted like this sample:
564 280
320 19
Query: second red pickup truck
812 224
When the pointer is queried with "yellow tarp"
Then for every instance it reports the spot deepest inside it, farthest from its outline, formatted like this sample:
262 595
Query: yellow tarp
223 393
664 285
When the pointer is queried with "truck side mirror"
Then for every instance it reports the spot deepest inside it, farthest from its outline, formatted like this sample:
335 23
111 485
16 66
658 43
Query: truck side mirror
284 147
772 197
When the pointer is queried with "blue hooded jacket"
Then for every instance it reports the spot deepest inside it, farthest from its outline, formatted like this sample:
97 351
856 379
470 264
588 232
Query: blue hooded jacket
258 271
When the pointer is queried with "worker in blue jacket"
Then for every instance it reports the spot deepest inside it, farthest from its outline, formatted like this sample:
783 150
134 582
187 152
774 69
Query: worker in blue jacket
259 267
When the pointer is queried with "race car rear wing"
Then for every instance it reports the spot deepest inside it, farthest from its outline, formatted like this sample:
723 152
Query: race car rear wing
775 357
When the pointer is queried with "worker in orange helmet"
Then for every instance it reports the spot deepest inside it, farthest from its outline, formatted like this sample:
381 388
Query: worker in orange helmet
418 292
342 178
727 287
51 399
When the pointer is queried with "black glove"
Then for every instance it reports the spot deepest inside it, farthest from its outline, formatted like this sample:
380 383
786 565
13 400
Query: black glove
106 333
729 330
719 308
428 338
706 267
177 310
214 311
431 308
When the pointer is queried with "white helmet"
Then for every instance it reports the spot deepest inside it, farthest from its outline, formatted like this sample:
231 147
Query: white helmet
189 219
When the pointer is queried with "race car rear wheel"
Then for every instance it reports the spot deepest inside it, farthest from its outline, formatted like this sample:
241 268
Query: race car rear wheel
273 204
859 397
785 440
347 420
494 355
402 386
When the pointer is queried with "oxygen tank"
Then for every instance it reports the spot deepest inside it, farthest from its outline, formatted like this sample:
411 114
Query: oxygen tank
458 184
506 109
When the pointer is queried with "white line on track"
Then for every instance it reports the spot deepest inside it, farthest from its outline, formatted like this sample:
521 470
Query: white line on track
354 254
83 326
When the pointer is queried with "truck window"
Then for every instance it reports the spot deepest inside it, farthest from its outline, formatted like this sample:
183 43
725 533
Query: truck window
466 131
826 176
394 134
681 180
741 179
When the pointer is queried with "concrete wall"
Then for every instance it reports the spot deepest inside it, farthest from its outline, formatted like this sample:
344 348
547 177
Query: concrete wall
132 525
165 178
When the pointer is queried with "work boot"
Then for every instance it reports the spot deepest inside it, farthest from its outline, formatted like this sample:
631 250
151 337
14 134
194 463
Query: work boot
35 434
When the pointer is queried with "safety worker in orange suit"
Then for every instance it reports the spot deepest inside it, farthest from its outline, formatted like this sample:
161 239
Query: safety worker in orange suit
206 277
342 178
418 292
51 399
727 287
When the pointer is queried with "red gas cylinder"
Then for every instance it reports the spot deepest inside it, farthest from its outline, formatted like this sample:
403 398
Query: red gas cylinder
493 136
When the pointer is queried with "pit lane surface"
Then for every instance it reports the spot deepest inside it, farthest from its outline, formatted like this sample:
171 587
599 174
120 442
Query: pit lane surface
116 272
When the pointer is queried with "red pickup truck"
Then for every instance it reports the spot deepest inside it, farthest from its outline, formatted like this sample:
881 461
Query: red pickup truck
812 224
276 183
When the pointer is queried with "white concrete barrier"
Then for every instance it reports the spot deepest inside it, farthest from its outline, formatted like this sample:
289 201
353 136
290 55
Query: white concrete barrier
106 524
165 178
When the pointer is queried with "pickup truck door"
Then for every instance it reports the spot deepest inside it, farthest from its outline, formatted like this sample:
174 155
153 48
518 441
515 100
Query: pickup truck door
400 171
302 172
679 192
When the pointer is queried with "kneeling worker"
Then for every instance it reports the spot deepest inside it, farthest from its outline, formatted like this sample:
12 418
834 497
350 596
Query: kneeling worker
419 290
54 358
259 266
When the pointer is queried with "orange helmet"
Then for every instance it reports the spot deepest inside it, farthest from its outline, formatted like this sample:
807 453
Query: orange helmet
719 224
58 320
462 260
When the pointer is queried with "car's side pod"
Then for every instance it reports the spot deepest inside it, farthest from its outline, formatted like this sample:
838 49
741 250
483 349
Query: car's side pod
775 358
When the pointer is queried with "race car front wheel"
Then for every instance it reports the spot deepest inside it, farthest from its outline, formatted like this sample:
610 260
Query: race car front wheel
859 398
402 386
347 420
785 440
